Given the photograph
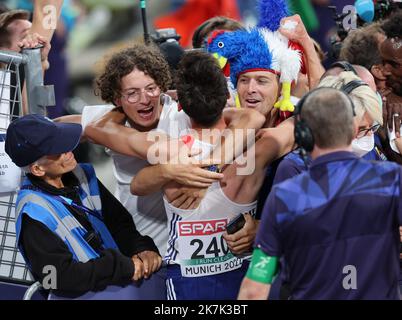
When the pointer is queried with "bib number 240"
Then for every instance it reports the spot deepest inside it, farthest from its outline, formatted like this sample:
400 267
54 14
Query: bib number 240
215 248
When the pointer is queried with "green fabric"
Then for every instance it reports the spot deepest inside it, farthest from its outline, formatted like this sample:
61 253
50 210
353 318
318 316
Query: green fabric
306 11
263 268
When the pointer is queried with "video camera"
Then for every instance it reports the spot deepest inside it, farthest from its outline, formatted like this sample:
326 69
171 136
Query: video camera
367 11
168 42
165 35
383 8
341 33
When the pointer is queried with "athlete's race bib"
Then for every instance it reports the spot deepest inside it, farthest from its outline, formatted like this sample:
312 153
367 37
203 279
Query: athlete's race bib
203 250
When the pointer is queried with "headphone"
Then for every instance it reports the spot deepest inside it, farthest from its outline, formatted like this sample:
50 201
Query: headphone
215 25
198 31
303 134
346 66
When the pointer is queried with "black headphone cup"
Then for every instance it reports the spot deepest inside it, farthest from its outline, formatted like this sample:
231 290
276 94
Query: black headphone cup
352 85
303 136
345 65
349 87
198 31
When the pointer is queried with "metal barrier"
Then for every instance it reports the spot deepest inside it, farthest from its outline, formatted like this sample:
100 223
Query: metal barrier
14 103
38 95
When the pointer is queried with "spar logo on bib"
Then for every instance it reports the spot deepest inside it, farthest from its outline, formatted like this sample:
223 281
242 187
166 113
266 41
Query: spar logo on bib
202 228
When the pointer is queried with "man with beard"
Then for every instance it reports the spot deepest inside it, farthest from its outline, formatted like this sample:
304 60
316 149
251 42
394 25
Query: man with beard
391 51
391 54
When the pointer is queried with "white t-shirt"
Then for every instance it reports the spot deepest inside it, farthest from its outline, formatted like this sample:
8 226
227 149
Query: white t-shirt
148 212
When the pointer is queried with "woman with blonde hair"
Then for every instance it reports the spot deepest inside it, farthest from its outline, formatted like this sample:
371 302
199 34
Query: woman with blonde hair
368 111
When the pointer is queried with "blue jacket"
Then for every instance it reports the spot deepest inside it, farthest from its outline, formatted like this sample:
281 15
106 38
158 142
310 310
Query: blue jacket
53 214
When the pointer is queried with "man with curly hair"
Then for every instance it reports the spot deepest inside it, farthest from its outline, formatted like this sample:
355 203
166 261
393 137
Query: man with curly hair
124 75
135 80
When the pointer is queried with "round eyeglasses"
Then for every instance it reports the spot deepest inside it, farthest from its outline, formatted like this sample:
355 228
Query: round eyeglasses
133 96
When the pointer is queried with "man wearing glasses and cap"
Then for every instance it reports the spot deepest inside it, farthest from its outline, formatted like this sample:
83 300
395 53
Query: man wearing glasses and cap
67 219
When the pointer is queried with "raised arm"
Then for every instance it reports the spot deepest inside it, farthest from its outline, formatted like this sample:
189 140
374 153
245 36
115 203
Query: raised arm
44 22
300 35
45 17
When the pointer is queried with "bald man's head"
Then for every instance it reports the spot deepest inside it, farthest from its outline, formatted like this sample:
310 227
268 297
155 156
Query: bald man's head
361 71
329 114
366 76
